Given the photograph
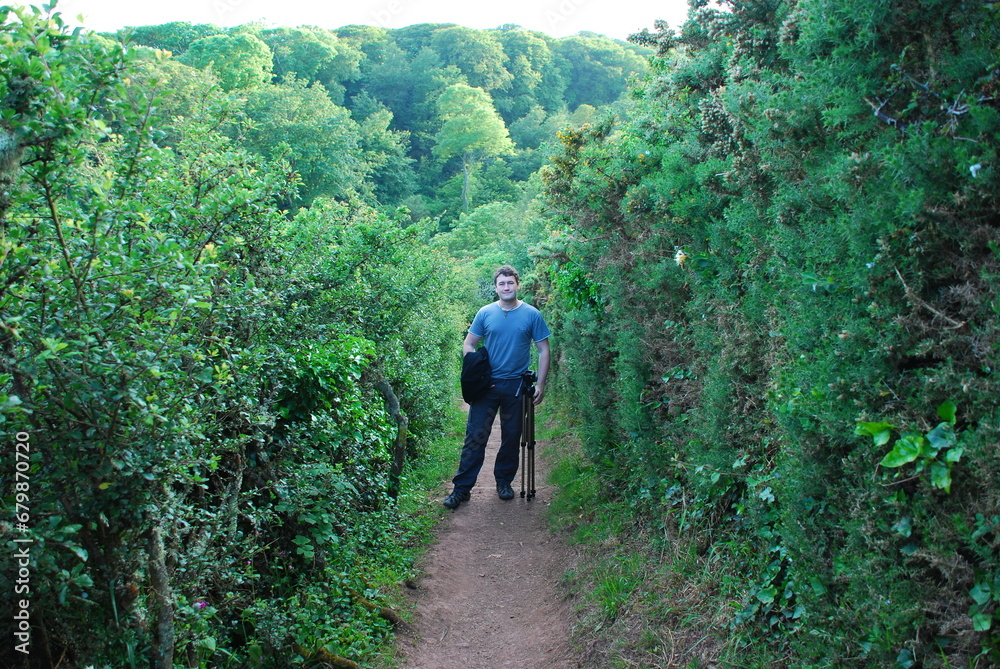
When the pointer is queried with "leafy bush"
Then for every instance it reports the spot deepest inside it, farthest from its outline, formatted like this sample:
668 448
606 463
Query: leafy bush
791 236
208 382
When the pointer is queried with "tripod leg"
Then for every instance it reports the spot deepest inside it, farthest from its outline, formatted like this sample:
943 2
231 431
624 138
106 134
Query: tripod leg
531 446
524 441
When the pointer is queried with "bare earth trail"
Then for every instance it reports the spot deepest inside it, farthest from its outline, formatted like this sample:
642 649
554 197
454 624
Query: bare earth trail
489 594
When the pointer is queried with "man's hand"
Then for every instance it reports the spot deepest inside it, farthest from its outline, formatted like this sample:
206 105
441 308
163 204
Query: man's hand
539 394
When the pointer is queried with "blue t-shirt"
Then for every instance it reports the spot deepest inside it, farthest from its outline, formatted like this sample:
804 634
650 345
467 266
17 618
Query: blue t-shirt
508 335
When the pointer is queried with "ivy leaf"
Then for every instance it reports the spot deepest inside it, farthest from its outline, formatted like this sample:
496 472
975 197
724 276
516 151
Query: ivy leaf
981 593
880 432
905 659
767 595
947 411
906 450
904 527
941 476
942 436
981 622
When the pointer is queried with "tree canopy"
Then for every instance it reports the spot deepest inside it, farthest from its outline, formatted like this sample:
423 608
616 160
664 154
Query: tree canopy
313 55
239 61
471 126
470 129
390 83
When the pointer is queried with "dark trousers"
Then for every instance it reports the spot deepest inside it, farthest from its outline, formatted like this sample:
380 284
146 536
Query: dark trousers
505 398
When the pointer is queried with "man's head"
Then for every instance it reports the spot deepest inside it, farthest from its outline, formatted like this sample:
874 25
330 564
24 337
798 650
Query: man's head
506 282
506 270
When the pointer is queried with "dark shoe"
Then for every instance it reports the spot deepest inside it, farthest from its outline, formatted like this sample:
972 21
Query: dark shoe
455 498
504 491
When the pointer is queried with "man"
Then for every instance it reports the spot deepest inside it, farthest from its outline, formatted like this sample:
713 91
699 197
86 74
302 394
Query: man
509 326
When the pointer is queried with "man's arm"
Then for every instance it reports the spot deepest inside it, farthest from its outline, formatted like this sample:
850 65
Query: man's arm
543 369
470 343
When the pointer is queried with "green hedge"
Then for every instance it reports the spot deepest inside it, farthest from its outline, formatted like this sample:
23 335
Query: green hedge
202 377
794 233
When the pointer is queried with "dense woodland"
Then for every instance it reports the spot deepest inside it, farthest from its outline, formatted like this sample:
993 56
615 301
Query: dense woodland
237 265
237 269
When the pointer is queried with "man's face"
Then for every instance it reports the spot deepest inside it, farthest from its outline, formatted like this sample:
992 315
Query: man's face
506 287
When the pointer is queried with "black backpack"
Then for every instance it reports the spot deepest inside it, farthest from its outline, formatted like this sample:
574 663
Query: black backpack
476 373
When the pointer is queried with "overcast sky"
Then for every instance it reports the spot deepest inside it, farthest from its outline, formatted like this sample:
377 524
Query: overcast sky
558 18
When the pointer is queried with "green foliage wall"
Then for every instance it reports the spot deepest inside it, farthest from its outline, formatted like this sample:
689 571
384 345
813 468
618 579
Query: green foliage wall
212 462
776 280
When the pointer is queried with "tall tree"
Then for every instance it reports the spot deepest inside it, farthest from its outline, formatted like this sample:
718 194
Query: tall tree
412 39
318 137
239 61
477 53
174 37
537 79
314 55
392 174
409 89
599 68
471 129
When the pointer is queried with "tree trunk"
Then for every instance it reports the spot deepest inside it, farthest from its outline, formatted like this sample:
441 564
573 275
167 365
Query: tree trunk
399 448
163 646
465 183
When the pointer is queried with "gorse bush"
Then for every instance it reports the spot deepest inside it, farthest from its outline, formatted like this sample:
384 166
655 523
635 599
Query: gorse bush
795 234
212 386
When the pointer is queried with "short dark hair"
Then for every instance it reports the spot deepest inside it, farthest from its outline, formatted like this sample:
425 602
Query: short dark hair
506 270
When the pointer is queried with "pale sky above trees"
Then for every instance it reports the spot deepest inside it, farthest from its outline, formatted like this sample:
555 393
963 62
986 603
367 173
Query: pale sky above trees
558 18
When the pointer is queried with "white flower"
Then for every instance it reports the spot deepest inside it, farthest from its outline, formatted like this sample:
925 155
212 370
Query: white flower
680 257
975 169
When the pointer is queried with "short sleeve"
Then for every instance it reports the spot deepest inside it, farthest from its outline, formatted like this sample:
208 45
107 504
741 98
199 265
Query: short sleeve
478 327
540 330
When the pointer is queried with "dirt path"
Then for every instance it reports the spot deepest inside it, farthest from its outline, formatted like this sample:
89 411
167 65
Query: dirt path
489 596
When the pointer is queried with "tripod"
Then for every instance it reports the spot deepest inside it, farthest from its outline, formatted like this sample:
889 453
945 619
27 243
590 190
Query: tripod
528 433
